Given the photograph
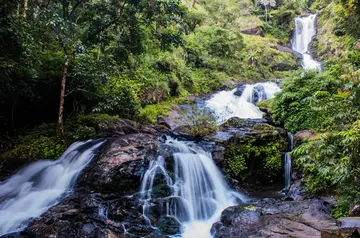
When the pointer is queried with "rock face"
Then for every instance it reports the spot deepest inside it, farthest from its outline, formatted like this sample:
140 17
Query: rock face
296 55
302 136
254 30
274 218
349 227
253 154
104 202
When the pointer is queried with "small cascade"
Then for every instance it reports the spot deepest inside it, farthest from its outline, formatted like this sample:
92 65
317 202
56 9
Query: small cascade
197 190
287 170
240 102
37 187
287 164
305 30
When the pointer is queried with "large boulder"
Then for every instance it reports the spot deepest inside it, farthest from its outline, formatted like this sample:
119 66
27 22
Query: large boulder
349 227
105 201
285 49
275 218
254 30
253 154
303 136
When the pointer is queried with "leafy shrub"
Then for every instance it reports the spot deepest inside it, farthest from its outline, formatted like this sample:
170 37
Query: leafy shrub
200 123
121 100
255 159
33 148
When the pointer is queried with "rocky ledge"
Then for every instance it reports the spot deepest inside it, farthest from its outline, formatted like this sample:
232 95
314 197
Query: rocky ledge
275 218
104 202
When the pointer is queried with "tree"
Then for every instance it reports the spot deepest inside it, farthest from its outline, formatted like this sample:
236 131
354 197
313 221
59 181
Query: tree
267 4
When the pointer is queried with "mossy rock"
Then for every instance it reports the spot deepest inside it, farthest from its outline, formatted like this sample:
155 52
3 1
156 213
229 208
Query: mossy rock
161 191
266 105
256 160
169 226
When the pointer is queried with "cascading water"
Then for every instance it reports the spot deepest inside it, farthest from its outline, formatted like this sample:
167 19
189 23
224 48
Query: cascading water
37 187
287 164
198 191
305 30
226 104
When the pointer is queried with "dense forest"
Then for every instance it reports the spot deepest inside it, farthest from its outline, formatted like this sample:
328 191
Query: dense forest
69 66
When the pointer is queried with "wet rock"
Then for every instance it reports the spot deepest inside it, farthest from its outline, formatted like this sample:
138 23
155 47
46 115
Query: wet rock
169 226
121 167
249 145
349 227
161 190
239 90
285 49
355 210
101 204
274 218
285 66
163 121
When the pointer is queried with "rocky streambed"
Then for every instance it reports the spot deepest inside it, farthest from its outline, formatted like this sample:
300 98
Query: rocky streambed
105 201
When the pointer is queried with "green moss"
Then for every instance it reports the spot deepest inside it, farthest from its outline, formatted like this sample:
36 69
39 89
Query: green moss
255 161
266 105
150 112
264 60
328 41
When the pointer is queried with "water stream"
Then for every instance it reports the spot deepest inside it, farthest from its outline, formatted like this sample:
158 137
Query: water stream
199 192
305 30
240 102
37 187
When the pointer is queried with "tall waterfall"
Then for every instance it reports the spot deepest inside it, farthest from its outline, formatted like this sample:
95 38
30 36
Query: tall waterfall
198 190
227 104
37 187
305 30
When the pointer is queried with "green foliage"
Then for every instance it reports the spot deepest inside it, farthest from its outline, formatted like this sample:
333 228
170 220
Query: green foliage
297 104
122 99
151 111
201 123
213 41
327 102
41 142
87 125
266 105
258 159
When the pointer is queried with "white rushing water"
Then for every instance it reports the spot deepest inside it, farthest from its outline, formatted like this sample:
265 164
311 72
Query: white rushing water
37 187
305 30
226 104
287 163
199 191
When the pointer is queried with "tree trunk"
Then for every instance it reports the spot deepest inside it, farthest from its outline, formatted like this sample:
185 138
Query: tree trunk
64 73
25 7
193 4
266 14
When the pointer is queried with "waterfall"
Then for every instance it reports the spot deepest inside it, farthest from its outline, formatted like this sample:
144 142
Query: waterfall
287 164
240 102
305 30
198 191
37 187
287 170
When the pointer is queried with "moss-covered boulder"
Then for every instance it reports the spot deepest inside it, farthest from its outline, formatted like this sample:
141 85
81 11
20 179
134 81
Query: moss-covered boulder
254 152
